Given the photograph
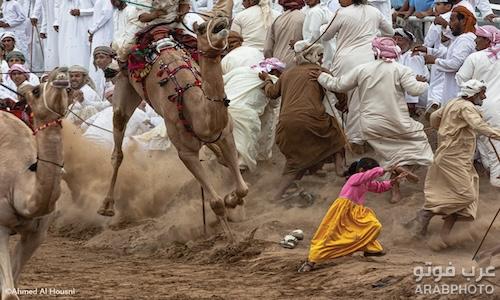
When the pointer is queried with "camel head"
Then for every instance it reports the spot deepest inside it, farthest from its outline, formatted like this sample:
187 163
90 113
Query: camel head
48 101
212 36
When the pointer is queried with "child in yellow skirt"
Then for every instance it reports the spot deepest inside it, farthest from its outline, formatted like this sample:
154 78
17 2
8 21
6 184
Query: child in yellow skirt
349 226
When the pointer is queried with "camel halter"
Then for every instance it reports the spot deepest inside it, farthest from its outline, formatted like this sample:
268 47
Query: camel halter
56 122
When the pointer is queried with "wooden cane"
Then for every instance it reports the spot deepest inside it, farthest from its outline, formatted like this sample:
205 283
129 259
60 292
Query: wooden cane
203 210
31 46
487 231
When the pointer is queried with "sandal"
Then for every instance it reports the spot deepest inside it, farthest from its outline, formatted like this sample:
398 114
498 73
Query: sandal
367 254
306 267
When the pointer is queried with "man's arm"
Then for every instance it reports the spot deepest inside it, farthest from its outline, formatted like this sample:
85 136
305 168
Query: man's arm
474 119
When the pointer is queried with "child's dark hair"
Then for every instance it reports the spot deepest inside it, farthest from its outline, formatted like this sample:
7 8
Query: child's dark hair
366 163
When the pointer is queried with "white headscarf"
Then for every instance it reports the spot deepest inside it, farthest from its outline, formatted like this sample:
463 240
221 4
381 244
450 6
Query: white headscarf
471 87
80 69
307 53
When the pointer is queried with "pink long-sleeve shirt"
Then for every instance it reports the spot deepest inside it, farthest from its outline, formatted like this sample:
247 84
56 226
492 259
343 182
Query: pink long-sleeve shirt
358 184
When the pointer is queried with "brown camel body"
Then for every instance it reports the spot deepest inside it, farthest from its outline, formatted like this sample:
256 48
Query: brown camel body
203 109
27 197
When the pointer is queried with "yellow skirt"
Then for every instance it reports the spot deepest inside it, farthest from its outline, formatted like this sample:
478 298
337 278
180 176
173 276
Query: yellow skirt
345 229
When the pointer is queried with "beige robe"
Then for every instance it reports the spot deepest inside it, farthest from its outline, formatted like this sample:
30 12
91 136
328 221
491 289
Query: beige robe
285 28
452 183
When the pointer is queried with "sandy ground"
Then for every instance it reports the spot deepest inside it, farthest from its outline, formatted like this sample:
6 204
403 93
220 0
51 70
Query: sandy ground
155 247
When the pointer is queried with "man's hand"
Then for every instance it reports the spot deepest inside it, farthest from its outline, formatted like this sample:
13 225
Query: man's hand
405 14
417 49
438 20
56 28
429 59
291 43
263 76
75 12
34 21
490 17
4 25
314 74
421 78
91 36
43 35
78 96
420 15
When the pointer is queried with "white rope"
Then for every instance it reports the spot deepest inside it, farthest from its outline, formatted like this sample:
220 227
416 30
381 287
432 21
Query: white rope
210 42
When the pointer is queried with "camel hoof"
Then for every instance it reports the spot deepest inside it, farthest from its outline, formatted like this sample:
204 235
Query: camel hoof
106 212
232 200
218 207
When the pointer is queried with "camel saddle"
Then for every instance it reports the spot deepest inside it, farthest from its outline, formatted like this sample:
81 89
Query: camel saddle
149 43
20 109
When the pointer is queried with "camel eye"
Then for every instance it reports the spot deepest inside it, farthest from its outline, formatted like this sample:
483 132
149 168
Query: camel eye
36 91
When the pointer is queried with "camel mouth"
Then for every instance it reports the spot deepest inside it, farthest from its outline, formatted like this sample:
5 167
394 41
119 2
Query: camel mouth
220 25
60 84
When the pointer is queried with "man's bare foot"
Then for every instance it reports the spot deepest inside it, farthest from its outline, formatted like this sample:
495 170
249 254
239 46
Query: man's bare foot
306 267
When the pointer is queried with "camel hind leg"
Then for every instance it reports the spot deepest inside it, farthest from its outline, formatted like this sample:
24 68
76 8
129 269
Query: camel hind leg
125 101
7 279
230 156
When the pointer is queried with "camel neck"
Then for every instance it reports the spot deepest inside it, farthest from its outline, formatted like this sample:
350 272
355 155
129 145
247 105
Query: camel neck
211 72
48 175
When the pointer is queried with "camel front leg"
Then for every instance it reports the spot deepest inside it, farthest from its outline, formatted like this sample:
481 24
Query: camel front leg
125 101
230 156
7 280
188 150
27 245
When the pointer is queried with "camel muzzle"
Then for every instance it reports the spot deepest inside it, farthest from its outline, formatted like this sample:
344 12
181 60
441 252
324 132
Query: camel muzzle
61 84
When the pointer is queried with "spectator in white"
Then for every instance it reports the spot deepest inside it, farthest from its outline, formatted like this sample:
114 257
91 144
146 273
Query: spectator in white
13 58
14 20
416 63
462 23
318 15
18 75
253 22
483 6
49 34
433 45
104 119
103 57
72 23
285 31
484 66
34 13
85 101
9 42
203 5
101 28
121 16
333 5
355 26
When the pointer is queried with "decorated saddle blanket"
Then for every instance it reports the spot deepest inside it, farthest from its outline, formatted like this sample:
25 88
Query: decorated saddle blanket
20 109
149 44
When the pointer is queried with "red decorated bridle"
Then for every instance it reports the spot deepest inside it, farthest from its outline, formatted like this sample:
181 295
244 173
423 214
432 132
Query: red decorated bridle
57 122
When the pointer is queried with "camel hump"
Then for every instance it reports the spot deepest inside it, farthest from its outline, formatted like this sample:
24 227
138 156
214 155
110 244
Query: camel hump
17 144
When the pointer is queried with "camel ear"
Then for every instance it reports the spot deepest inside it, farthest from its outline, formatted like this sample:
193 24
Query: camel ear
29 93
201 28
195 26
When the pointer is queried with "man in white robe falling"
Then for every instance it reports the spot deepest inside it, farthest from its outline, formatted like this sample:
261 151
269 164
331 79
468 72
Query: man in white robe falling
484 65
14 20
248 101
318 15
416 63
384 119
49 35
84 101
462 23
72 23
253 22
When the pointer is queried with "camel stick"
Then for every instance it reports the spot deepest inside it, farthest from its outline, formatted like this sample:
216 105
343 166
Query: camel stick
203 210
487 231
39 40
494 149
31 46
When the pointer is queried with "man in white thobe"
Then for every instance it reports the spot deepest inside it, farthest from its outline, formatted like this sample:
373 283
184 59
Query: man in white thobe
484 65
73 21
253 22
416 63
49 35
385 123
14 20
121 16
101 27
462 23
35 14
317 15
